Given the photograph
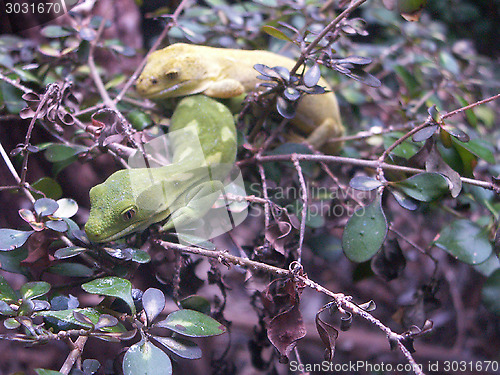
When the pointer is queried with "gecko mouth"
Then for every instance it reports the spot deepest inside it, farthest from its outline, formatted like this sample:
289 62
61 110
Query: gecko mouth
164 93
128 230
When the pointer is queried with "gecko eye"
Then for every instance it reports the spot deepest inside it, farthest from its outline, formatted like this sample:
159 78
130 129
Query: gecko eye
128 214
172 75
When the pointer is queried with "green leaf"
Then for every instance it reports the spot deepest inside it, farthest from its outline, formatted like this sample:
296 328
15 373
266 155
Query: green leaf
197 303
434 113
328 247
466 241
71 269
57 152
424 187
55 31
10 261
139 119
45 206
6 310
145 358
140 256
11 239
365 231
192 323
405 150
404 200
491 291
478 147
90 366
312 76
11 323
67 208
456 133
424 133
57 225
12 97
364 183
489 266
153 301
49 187
408 80
68 317
112 287
274 32
68 252
42 371
182 347
6 292
34 289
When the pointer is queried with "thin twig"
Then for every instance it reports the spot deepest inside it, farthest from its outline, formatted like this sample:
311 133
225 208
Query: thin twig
359 162
304 197
95 74
153 48
342 301
226 257
15 84
267 215
325 31
51 90
456 111
73 356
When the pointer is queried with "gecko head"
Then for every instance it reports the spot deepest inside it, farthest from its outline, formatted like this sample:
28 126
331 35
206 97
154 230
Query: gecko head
171 72
113 212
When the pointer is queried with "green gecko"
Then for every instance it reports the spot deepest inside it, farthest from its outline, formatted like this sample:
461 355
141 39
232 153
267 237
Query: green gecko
130 200
184 69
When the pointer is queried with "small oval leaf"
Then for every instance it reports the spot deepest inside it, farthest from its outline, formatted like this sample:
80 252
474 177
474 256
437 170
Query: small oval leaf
57 225
424 133
153 301
197 303
365 232
424 187
364 183
146 358
68 252
6 291
182 347
59 152
285 108
67 208
34 289
55 31
11 239
274 32
312 76
192 323
404 200
112 287
466 241
45 206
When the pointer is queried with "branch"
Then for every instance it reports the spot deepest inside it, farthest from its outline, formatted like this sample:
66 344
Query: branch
73 356
359 162
325 31
342 301
304 197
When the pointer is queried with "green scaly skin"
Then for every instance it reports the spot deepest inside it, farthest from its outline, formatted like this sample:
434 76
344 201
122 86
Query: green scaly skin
186 69
131 200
